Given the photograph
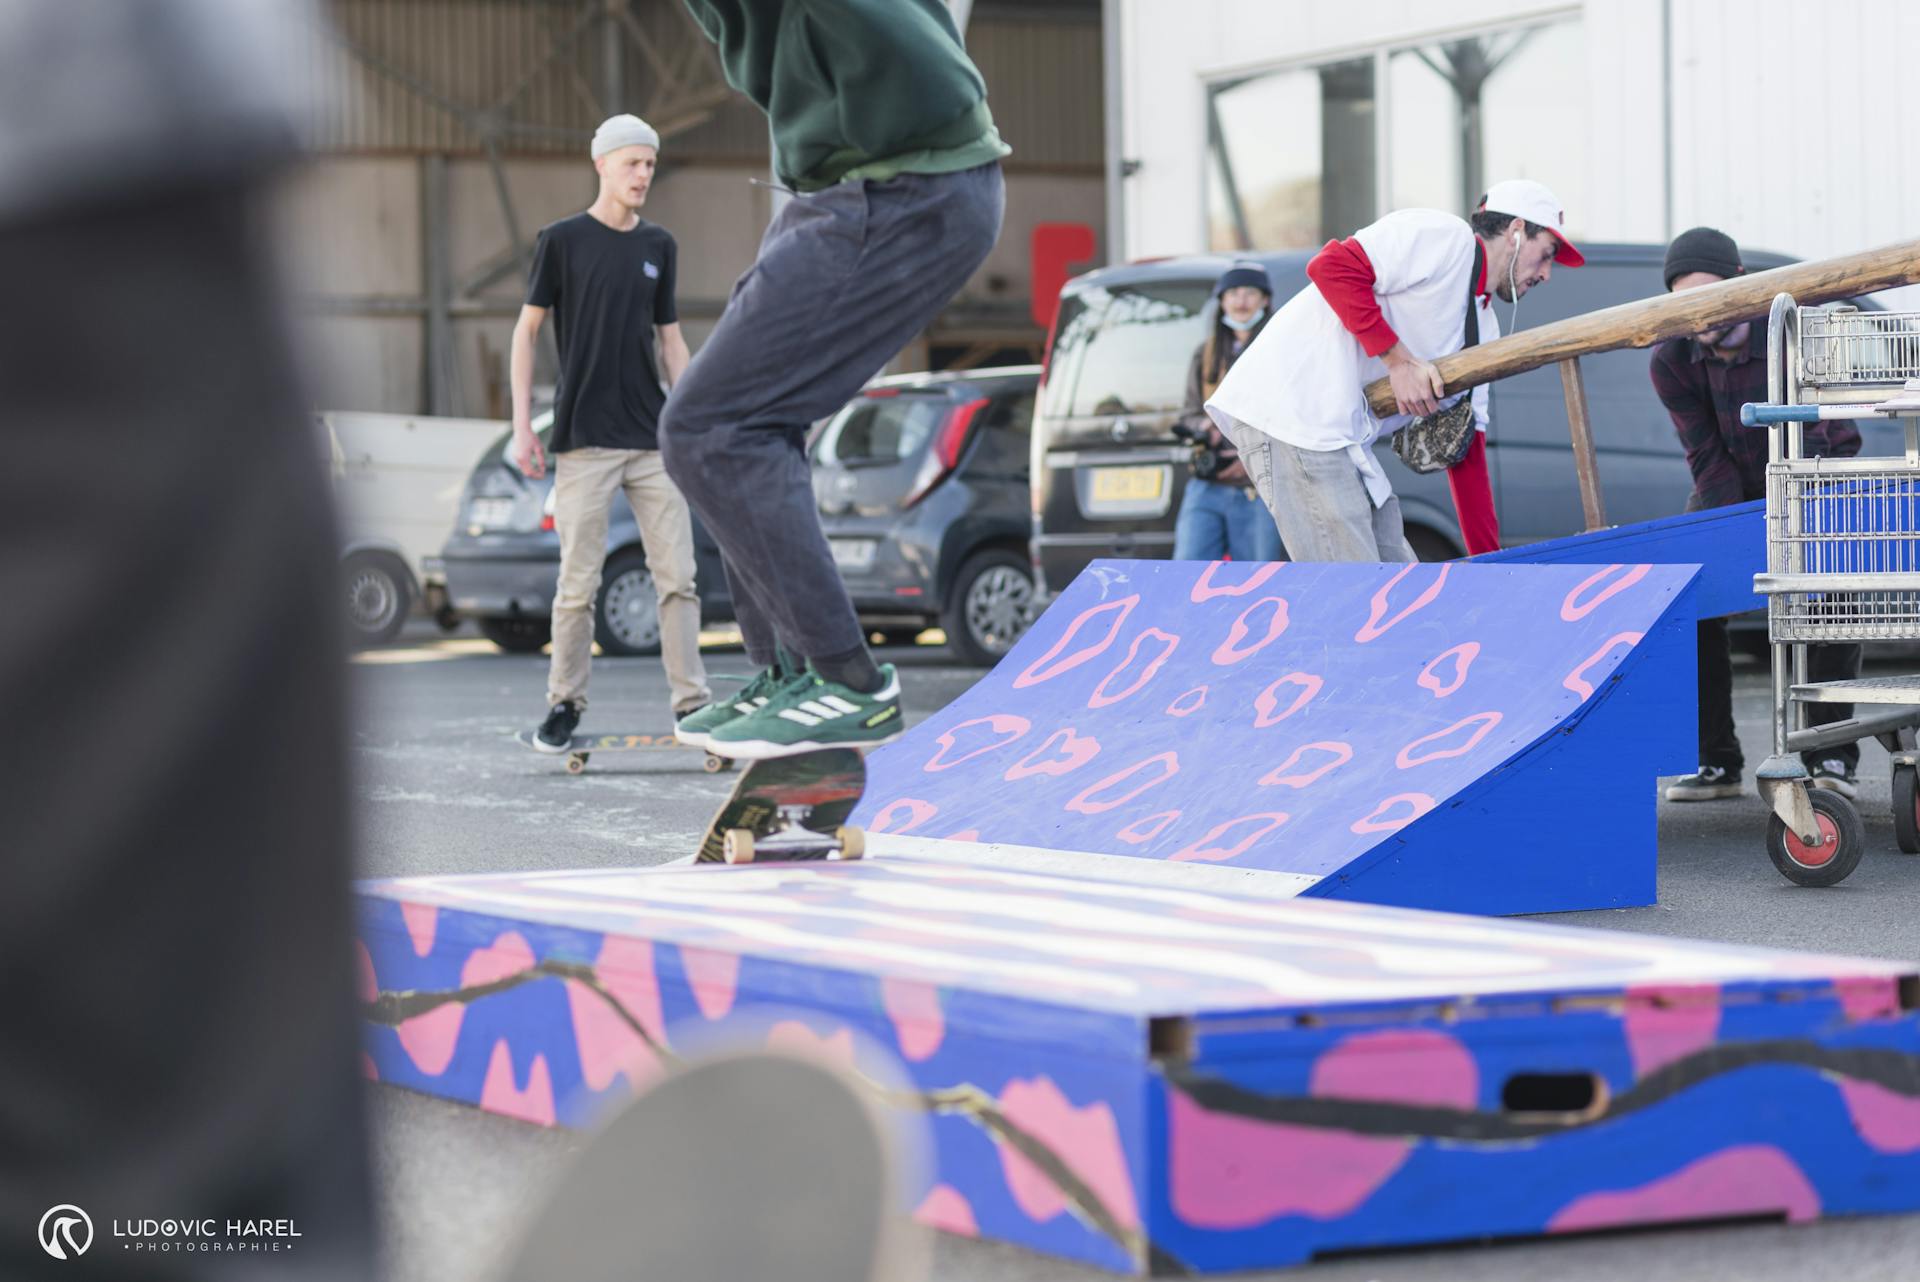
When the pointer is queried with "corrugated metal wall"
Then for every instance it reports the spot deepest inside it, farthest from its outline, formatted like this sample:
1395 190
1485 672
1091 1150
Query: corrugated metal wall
395 72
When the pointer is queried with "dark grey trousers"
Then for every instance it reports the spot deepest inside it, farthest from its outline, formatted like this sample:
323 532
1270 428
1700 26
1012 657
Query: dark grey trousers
845 278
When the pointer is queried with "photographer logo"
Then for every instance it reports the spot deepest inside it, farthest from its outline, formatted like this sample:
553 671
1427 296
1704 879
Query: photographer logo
66 1232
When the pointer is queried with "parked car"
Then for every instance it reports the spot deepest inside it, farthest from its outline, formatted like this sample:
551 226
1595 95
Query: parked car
1108 472
396 485
502 563
922 487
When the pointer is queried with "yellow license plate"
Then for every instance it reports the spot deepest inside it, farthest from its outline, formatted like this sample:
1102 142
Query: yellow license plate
1127 484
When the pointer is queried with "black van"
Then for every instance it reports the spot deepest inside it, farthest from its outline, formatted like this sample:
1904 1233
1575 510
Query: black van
1108 472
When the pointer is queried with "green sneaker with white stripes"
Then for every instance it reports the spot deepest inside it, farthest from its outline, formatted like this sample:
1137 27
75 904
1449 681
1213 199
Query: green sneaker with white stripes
695 728
810 713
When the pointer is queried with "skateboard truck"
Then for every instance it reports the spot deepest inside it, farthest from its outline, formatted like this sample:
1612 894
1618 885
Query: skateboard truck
791 839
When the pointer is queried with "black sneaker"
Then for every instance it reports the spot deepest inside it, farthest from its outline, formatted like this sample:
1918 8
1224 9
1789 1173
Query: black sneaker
556 732
1835 775
1711 783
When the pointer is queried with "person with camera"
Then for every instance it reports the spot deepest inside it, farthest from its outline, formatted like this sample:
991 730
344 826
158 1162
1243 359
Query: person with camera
1220 511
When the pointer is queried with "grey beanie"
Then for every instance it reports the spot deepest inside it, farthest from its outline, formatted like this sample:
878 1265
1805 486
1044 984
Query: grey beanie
616 132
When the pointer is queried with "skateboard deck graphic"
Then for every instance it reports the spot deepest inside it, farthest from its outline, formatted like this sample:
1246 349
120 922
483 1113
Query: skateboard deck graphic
790 808
584 745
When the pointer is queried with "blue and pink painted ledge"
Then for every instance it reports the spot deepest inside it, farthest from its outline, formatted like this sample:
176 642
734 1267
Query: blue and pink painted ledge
1154 1078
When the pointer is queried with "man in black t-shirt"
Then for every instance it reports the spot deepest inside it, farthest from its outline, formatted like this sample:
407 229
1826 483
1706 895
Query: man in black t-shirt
607 276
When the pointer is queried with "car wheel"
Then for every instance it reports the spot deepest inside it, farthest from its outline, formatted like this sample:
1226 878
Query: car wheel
626 615
379 595
1428 545
517 635
989 608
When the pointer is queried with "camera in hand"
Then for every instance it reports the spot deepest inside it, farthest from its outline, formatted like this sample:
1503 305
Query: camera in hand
1206 461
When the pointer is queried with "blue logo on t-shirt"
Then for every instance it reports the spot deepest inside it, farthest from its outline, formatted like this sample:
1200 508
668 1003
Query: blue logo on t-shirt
653 273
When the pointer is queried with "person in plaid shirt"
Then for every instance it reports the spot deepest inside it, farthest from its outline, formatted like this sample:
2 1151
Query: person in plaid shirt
1703 381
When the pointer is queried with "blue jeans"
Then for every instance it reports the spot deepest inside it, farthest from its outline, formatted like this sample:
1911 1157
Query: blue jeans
1223 520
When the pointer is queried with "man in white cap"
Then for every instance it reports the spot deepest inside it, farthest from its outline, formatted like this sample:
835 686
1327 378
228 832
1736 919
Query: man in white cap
608 277
1389 300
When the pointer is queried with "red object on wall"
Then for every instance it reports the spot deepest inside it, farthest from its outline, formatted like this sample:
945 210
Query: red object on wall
1054 247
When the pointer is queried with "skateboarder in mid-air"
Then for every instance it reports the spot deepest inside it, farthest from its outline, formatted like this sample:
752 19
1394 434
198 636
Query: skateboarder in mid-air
881 129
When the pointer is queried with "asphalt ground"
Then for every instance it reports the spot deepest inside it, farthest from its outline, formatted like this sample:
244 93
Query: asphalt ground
441 788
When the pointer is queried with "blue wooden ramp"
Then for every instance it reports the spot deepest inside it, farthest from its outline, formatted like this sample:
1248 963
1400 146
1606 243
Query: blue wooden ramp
1479 738
1728 544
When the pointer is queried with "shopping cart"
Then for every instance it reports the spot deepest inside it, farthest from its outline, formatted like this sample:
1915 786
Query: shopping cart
1843 564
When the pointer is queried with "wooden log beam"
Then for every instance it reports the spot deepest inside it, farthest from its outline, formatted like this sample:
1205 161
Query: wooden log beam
1586 460
1654 320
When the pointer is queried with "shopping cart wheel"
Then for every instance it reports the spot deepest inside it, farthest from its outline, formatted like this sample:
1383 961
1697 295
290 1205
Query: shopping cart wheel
1829 862
1906 809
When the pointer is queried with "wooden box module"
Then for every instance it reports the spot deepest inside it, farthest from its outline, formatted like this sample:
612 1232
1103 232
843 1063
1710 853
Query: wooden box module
1155 1078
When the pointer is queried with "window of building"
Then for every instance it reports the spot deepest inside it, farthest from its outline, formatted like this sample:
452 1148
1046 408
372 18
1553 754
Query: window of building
1298 156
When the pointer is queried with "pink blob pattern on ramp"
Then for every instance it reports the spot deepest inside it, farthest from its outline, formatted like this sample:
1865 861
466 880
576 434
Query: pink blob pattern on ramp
919 1025
608 1044
1578 605
714 978
1148 828
946 1208
1378 624
501 1094
1102 697
1460 658
1064 752
1236 648
1411 756
1004 726
1749 1179
1576 680
965 834
366 983
421 921
1492 629
1413 805
1665 1023
1085 804
1399 1066
1288 773
369 1069
430 1039
903 814
1204 590
1069 652
1217 846
1086 1140
1865 997
835 1049
1266 706
1189 703
1888 1122
1228 1172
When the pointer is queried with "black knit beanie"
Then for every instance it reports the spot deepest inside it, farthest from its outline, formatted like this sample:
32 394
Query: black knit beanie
1243 272
1702 249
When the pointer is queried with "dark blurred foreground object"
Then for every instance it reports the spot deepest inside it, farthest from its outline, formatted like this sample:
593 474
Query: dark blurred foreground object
780 1168
177 1034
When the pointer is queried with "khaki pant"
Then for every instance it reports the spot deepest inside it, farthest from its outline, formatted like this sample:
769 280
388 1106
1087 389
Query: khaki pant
584 482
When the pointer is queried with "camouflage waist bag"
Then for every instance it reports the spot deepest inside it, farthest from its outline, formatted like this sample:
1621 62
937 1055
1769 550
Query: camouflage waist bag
1438 440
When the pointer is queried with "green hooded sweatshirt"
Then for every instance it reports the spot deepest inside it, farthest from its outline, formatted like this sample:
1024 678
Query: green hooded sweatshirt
855 89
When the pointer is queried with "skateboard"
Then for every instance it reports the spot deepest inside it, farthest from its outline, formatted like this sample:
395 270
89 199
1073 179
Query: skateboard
790 808
585 745
738 1168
